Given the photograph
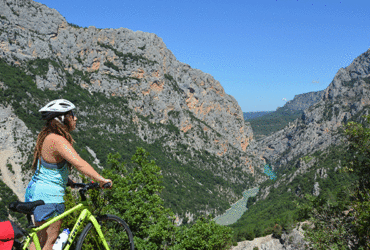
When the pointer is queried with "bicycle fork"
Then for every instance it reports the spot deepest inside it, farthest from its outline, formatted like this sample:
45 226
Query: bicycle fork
98 230
83 216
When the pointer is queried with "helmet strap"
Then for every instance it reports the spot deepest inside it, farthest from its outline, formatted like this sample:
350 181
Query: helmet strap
56 118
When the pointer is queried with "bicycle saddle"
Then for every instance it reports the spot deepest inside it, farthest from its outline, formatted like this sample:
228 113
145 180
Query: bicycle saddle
25 207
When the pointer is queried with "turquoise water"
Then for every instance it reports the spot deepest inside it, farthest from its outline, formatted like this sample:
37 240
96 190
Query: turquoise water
237 210
269 172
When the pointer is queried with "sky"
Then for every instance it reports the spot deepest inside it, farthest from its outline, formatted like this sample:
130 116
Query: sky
263 52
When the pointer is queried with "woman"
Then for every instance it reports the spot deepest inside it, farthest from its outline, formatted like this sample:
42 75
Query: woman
53 153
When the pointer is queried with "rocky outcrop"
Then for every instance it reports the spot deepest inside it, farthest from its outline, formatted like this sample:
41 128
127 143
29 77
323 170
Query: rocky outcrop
304 101
288 241
14 136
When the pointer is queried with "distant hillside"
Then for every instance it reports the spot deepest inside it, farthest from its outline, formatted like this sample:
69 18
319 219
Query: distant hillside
265 123
252 115
272 122
304 101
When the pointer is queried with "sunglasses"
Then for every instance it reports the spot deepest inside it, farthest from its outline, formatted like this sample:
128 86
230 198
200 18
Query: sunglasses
72 114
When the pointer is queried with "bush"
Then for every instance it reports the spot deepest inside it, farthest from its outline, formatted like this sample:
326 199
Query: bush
277 231
205 234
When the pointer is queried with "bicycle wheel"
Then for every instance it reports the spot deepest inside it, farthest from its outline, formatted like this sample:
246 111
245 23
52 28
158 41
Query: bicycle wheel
116 233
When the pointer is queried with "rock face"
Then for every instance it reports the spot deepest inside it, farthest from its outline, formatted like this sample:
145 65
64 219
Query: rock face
288 241
14 135
304 101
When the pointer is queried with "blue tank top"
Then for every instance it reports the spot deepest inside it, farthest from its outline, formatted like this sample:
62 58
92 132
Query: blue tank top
48 183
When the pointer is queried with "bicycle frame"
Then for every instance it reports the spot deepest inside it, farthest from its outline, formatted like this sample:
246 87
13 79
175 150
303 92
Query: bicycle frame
85 214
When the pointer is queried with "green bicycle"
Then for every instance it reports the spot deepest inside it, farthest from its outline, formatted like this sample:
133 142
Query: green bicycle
103 232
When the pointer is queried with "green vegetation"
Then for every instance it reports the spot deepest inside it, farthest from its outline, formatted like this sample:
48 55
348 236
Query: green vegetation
173 83
10 168
350 83
271 123
307 158
79 59
83 75
40 67
366 79
111 65
128 57
74 25
135 198
6 197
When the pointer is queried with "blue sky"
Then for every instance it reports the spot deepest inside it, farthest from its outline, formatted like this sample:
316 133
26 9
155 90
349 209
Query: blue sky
261 51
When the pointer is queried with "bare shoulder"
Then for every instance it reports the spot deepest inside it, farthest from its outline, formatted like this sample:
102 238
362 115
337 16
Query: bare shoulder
56 137
66 150
58 140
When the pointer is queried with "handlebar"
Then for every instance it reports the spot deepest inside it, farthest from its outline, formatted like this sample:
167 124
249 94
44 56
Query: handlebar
91 185
88 186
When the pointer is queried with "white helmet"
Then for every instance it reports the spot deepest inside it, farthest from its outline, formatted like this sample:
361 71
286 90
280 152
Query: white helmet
56 108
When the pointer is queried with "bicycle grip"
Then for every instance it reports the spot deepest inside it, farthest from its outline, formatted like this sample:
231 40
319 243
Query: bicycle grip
107 185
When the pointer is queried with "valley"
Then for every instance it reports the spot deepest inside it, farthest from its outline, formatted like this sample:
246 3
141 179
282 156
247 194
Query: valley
132 93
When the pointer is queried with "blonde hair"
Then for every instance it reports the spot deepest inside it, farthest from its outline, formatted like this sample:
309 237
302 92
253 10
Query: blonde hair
52 126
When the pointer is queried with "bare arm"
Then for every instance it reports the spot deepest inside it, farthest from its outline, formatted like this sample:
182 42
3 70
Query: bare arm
66 150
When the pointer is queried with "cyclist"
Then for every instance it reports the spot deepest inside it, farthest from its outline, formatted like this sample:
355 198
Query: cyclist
53 153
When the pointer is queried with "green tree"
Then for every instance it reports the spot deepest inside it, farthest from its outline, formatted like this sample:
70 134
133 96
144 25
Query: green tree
135 198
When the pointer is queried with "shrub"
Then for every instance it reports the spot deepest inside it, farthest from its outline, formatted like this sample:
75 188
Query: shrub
277 231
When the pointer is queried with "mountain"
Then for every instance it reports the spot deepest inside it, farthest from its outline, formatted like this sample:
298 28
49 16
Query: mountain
130 91
252 115
304 101
268 122
299 102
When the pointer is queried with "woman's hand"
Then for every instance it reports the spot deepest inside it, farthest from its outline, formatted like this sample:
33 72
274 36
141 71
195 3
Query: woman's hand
71 183
104 181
